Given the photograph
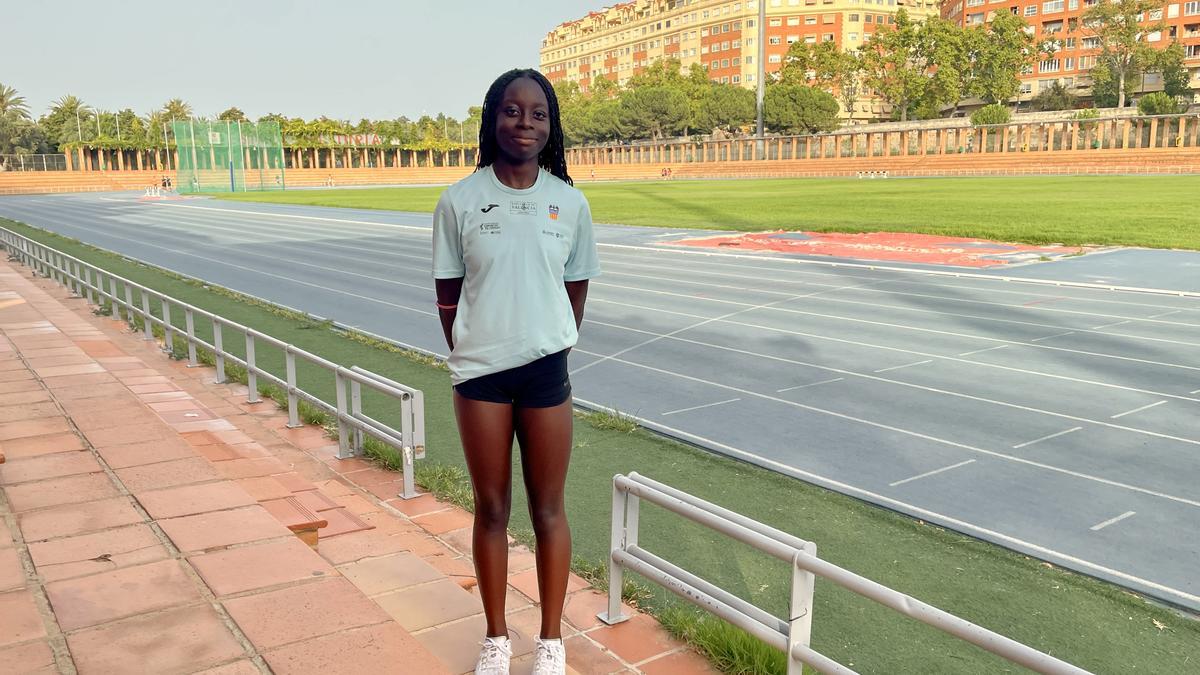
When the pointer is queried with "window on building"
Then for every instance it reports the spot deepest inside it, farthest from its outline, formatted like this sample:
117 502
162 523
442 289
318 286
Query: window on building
1051 6
793 21
725 79
716 64
810 39
1049 66
774 40
792 39
810 21
1069 63
1031 10
828 18
774 23
853 17
1190 8
868 18
1026 88
737 79
827 37
774 58
749 60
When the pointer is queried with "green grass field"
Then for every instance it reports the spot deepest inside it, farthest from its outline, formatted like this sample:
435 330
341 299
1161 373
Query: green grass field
1092 624
1156 211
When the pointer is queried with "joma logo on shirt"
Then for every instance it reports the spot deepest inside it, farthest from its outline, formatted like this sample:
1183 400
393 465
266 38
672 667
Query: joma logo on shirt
523 208
489 207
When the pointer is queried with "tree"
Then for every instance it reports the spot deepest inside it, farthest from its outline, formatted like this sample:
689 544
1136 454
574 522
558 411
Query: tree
69 121
725 106
795 109
1119 27
1001 51
1104 87
1169 62
603 121
838 72
177 109
896 64
232 115
1054 98
1158 103
12 104
19 136
654 111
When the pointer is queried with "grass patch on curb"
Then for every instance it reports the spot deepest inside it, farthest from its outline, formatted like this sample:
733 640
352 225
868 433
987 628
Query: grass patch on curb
1072 210
1092 624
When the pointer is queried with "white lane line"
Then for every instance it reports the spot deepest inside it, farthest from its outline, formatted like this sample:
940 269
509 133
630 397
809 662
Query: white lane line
906 327
1194 392
911 509
1110 325
1130 412
907 365
930 473
1070 332
986 349
423 230
1174 311
1110 521
698 407
810 384
914 434
1045 438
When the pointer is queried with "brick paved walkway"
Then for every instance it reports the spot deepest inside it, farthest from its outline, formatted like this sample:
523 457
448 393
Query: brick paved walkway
144 527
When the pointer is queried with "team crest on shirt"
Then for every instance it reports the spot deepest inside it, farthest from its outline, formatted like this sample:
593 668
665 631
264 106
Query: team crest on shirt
553 212
523 208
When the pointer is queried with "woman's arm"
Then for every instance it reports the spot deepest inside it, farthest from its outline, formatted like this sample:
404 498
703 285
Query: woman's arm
577 292
448 291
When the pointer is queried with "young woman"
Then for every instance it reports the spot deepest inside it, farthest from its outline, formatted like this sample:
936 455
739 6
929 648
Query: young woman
512 254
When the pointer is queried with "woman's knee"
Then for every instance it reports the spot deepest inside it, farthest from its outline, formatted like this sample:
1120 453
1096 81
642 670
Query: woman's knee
547 518
492 513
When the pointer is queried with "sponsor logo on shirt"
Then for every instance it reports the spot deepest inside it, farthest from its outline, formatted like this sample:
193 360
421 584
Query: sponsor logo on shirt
489 228
553 212
489 207
523 208
552 233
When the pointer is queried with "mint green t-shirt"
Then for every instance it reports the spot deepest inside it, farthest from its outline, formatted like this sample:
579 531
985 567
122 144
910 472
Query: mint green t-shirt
514 249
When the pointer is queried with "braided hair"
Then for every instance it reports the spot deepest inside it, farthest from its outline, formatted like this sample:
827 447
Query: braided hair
552 157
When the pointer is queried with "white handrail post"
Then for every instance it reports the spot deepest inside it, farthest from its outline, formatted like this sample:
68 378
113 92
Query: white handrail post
344 449
616 575
147 326
168 328
190 322
218 351
112 292
130 315
800 615
356 411
409 476
293 403
251 375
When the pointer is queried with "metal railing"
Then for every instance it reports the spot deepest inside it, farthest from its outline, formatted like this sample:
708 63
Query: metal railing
55 162
354 426
790 635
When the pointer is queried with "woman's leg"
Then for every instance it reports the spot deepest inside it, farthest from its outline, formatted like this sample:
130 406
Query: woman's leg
545 437
487 432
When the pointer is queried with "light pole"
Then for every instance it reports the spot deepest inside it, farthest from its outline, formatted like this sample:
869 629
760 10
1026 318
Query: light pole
762 72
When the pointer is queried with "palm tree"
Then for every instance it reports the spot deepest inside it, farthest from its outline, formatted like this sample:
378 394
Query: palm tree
10 102
177 109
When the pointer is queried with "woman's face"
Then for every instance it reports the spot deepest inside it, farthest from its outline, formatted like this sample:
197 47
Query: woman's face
523 121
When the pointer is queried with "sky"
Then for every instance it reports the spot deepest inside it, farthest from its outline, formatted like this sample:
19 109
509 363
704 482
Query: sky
347 59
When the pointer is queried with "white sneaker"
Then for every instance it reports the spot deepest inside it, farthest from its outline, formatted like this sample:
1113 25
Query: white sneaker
549 657
494 656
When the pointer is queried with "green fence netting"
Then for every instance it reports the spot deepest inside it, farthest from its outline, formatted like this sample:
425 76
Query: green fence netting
228 156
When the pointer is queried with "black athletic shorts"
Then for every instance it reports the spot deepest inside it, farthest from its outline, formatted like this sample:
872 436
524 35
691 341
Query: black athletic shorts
541 384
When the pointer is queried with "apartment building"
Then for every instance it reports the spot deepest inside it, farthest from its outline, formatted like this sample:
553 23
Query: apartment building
1061 20
620 41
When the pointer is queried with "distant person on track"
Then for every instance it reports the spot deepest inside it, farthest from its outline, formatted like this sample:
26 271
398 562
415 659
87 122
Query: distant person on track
513 250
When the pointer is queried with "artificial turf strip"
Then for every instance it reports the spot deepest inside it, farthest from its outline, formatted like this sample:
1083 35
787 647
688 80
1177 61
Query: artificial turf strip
1150 211
1087 622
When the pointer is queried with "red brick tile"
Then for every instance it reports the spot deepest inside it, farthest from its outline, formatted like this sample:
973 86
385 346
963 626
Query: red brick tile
251 450
99 598
262 566
683 662
48 466
14 386
164 396
119 417
167 474
31 658
222 528
177 641
340 522
359 545
19 397
218 452
19 618
243 667
152 388
97 552
83 380
19 375
263 488
375 649
232 437
32 428
295 482
456 644
126 434
192 499
57 491
355 504
390 573
145 452
71 519
87 391
198 438
444 521
249 468
210 425
29 411
417 506
129 378
315 501
587 658
6 540
303 612
98 348
12 575
526 582
581 608
34 446
419 607
635 640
